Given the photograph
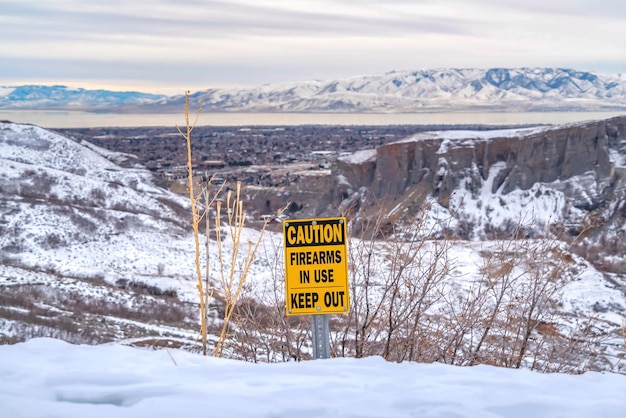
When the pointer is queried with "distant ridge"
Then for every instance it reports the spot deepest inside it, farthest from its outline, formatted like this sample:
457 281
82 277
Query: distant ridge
435 90
36 97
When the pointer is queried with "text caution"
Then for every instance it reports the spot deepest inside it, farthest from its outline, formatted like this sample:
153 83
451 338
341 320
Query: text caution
316 266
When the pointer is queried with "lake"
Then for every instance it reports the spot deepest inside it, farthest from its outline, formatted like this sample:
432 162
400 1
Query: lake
75 119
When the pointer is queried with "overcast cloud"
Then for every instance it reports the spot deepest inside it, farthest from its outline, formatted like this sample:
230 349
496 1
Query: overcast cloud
170 45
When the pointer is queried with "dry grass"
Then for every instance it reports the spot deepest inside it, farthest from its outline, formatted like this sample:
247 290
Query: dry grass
404 308
143 288
196 215
232 272
158 343
31 311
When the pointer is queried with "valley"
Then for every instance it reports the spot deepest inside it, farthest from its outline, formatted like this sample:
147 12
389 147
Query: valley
275 164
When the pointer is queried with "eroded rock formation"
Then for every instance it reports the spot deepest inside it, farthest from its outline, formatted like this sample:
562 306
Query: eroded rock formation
397 179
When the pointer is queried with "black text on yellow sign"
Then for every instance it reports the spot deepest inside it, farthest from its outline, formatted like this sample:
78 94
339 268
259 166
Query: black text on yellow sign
316 266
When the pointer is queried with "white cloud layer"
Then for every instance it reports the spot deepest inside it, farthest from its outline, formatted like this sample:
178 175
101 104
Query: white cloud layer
205 43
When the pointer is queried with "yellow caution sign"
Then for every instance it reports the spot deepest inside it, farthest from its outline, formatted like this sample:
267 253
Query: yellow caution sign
316 266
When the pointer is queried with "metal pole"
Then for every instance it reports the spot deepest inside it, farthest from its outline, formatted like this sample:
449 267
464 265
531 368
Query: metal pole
320 336
206 275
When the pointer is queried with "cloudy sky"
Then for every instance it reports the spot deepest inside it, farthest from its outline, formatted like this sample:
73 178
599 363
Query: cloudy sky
172 45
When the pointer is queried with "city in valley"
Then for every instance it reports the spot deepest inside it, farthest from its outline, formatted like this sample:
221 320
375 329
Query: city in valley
278 165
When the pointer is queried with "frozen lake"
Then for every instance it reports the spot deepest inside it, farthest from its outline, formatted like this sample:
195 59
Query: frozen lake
75 119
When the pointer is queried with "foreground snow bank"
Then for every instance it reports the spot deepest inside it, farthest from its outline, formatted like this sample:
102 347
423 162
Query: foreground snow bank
50 378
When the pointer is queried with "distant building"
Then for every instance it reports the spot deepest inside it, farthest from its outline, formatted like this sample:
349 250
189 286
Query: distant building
211 164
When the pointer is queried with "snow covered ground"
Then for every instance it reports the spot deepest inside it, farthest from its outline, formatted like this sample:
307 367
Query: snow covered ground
51 378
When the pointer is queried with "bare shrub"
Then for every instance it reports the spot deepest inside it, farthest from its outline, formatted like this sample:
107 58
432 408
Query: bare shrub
404 307
160 269
83 222
181 212
52 241
392 296
140 287
262 332
80 318
98 196
233 271
507 317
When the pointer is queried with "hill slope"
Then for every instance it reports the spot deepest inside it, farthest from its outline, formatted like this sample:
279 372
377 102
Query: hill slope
93 252
82 237
488 182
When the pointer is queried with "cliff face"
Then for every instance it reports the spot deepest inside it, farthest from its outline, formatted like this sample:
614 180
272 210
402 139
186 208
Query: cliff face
578 166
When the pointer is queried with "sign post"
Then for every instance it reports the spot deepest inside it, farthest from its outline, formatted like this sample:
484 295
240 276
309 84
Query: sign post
316 274
320 336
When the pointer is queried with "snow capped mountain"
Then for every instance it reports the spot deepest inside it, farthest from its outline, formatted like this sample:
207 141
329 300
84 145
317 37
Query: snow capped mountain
521 89
466 89
62 97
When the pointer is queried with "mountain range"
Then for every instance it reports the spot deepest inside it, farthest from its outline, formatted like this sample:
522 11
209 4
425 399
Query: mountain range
62 97
468 89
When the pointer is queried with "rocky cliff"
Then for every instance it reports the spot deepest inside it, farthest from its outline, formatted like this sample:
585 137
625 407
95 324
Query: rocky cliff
485 181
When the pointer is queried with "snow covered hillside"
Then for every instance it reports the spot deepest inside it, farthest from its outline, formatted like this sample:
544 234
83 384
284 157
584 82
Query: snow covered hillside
79 235
70 197
94 252
91 250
